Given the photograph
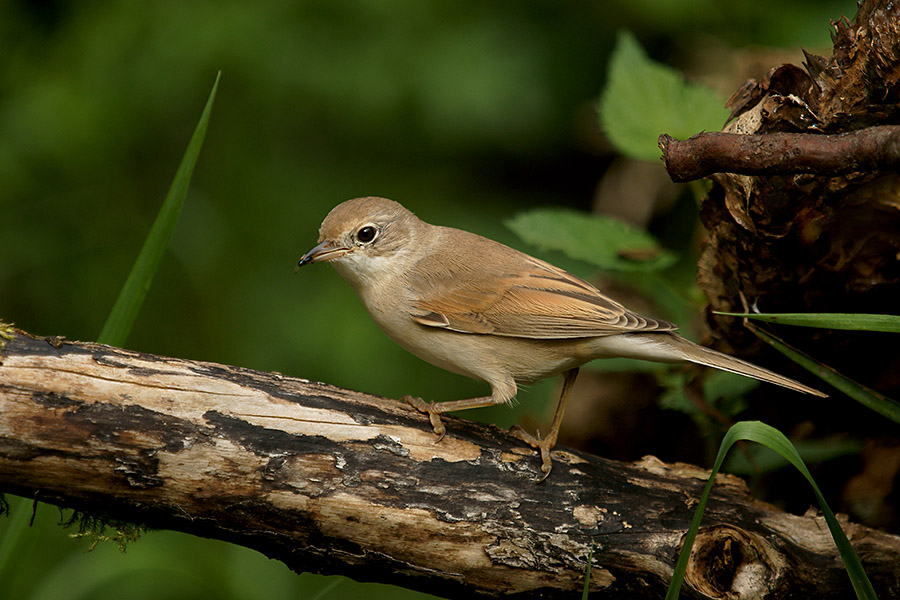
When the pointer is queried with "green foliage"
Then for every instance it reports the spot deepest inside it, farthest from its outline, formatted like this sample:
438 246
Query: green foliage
125 311
643 99
604 242
770 437
854 322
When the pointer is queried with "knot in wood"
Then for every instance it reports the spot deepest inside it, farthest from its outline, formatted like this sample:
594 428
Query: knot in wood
731 563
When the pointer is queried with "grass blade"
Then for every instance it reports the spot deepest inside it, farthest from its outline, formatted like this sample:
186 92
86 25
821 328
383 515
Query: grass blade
124 312
857 322
587 573
886 407
770 437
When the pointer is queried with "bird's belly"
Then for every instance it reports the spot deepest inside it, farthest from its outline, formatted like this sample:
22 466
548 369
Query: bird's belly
492 358
488 357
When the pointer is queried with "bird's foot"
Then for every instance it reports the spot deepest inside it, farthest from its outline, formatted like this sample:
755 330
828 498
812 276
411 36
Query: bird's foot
544 445
429 409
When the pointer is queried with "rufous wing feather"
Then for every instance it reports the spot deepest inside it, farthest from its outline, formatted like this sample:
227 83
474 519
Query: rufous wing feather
540 302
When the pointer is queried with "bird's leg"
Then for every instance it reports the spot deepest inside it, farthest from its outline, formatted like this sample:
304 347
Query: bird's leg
434 410
546 444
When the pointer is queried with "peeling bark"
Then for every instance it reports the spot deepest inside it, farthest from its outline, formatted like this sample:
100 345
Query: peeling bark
334 481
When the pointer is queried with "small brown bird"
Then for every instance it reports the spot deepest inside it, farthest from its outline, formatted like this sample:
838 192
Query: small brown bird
476 307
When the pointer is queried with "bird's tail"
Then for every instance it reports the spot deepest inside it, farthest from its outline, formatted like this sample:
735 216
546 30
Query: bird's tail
712 358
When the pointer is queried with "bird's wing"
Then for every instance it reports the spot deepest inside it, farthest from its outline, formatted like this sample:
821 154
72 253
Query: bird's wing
520 296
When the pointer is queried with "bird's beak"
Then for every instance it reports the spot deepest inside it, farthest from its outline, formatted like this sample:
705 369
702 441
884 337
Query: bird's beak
326 250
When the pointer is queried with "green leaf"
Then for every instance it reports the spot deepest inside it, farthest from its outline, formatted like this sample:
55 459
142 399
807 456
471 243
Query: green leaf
856 322
643 99
601 241
124 312
770 437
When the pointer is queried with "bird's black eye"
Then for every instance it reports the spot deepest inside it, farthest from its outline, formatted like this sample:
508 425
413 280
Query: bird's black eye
366 234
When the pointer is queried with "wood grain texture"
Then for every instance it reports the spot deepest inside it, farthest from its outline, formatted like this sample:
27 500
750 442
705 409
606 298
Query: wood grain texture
334 481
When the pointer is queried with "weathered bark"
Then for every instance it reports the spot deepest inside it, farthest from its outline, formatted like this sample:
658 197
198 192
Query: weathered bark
334 481
873 149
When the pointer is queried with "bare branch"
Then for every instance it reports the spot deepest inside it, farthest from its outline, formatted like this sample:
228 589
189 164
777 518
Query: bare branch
871 149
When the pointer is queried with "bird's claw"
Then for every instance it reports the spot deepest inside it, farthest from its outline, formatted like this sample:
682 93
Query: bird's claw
544 445
433 416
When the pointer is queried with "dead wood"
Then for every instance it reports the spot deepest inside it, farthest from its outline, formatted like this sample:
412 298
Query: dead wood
873 149
334 481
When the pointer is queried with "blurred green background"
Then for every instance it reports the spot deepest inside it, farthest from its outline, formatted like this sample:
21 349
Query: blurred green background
465 111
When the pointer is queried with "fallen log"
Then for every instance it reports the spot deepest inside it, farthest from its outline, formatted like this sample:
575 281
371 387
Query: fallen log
334 481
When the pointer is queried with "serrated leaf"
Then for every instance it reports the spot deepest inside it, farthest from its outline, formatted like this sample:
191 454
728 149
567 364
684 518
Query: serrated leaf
601 241
643 99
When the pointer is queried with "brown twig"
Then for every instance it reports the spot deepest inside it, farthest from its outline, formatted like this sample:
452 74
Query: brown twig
869 149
